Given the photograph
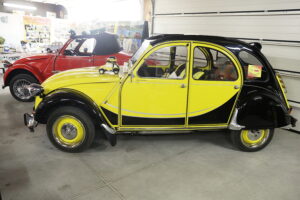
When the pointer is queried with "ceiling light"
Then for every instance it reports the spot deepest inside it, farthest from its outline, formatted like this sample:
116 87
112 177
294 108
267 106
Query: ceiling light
12 5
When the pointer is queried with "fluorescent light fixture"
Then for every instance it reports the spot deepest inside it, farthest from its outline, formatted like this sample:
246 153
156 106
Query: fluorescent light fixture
12 5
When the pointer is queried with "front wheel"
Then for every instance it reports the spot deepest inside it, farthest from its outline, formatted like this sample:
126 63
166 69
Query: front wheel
70 129
18 85
252 140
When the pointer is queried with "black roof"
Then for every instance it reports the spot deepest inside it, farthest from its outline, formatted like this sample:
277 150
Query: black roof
103 34
224 41
106 44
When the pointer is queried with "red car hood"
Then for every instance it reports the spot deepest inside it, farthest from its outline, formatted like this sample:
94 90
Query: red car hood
33 58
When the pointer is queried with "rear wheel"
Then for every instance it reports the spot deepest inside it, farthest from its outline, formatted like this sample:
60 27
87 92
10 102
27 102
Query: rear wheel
252 140
17 87
70 129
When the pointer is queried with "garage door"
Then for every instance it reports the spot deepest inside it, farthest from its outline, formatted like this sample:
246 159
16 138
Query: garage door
273 23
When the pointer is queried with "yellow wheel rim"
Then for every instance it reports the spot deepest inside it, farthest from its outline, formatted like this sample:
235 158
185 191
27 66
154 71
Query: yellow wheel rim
254 138
68 131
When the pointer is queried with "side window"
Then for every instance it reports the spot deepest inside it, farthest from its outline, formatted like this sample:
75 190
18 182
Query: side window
88 46
166 62
200 59
253 68
218 66
72 46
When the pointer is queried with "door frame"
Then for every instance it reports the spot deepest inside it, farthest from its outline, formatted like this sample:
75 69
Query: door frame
133 73
237 65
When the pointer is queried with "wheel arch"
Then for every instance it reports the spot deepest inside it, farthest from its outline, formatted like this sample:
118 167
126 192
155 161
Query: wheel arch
10 74
67 97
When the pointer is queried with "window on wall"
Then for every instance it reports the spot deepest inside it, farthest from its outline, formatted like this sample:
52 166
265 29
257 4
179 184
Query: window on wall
166 62
212 65
253 68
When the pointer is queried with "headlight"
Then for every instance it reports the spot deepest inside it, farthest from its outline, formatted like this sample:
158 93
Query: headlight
34 89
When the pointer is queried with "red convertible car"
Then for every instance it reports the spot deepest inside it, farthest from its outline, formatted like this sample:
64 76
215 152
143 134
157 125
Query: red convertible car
79 51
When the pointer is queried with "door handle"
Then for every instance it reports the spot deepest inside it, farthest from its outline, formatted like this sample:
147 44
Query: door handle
236 87
183 85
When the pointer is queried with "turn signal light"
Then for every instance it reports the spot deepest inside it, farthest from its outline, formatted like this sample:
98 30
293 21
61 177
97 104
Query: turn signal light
281 83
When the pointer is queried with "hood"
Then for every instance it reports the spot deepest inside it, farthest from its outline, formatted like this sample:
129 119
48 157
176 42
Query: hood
77 76
34 58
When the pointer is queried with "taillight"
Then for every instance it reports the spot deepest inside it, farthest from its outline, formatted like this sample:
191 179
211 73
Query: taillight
281 83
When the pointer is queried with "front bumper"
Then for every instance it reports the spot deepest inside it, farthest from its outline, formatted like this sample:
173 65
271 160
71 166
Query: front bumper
30 122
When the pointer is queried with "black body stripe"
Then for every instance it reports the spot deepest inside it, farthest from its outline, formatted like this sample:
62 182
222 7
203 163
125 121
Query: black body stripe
219 115
112 117
126 120
216 116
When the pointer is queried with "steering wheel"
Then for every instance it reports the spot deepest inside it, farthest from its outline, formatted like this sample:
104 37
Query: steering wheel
70 52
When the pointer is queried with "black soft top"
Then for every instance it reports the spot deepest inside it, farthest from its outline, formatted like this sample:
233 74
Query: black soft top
106 44
223 41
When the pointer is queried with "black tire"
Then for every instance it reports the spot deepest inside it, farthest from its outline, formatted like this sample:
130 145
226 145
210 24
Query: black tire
26 78
78 114
238 141
101 71
116 71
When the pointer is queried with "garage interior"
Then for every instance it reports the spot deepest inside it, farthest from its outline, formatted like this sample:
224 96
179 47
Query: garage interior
188 165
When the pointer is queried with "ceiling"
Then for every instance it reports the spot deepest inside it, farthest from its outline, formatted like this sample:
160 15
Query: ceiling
71 2
106 10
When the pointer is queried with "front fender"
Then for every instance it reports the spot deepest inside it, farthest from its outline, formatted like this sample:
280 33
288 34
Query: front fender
67 97
261 109
19 68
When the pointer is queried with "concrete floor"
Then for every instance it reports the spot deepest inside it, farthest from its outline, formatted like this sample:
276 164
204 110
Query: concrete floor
188 166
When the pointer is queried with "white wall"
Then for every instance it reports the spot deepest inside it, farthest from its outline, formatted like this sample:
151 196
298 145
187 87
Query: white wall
13 30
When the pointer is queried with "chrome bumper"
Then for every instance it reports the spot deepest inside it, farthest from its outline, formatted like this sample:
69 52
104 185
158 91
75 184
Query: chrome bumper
30 122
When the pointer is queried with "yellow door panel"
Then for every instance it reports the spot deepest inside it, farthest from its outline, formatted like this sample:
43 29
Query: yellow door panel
154 98
207 96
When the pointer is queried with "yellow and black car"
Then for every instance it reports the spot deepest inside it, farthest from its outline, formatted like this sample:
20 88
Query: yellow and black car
173 82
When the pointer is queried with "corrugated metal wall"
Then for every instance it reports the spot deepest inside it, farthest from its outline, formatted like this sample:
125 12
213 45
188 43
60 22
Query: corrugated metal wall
274 23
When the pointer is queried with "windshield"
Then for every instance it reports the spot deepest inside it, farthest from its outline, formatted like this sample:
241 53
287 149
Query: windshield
140 51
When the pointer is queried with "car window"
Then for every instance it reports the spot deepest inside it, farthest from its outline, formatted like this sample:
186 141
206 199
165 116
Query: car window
166 62
253 68
218 66
200 59
73 45
88 46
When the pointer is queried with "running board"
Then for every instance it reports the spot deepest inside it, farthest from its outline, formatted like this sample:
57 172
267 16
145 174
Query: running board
110 134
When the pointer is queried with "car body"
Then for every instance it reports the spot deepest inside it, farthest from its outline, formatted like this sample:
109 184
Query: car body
79 51
174 82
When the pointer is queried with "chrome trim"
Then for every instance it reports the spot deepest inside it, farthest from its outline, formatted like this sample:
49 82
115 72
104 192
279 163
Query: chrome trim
108 129
233 124
156 113
171 128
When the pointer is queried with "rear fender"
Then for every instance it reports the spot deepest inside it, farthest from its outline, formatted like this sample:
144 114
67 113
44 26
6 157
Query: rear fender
262 110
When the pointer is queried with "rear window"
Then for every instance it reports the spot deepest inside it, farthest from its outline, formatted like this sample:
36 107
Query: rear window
253 68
